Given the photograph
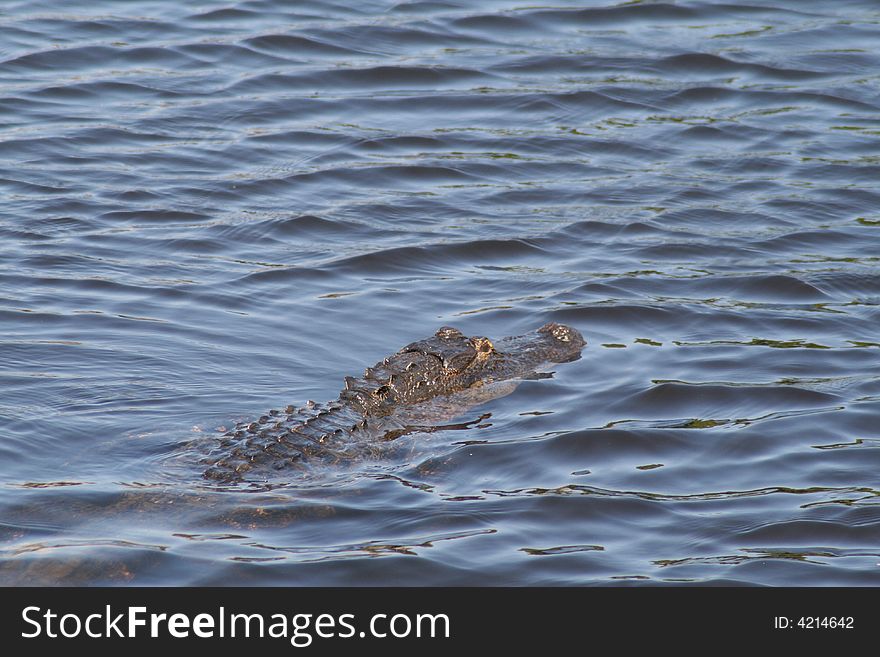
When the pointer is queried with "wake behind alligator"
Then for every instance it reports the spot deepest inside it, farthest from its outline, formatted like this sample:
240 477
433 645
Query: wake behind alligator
411 391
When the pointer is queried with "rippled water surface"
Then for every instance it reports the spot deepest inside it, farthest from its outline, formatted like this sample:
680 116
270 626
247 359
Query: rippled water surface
211 209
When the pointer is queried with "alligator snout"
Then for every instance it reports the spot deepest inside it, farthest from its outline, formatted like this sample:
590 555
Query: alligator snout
563 333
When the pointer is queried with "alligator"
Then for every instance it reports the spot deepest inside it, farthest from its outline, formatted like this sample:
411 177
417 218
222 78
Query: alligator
436 377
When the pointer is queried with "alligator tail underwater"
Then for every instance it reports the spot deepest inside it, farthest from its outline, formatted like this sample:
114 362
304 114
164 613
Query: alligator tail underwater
387 401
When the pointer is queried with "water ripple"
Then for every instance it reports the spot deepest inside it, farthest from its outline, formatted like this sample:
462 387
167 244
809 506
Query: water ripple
212 209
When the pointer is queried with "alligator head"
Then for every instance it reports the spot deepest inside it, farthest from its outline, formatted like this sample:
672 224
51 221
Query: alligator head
450 361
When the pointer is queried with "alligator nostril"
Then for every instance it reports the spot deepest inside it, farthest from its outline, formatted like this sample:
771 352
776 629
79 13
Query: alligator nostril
558 331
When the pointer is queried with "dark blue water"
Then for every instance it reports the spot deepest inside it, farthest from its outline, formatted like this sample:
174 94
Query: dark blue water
211 209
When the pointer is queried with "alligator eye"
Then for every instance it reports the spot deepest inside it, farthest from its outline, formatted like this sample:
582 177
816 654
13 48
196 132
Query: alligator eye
483 346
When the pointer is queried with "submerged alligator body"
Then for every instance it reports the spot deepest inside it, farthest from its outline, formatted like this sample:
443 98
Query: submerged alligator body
437 377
